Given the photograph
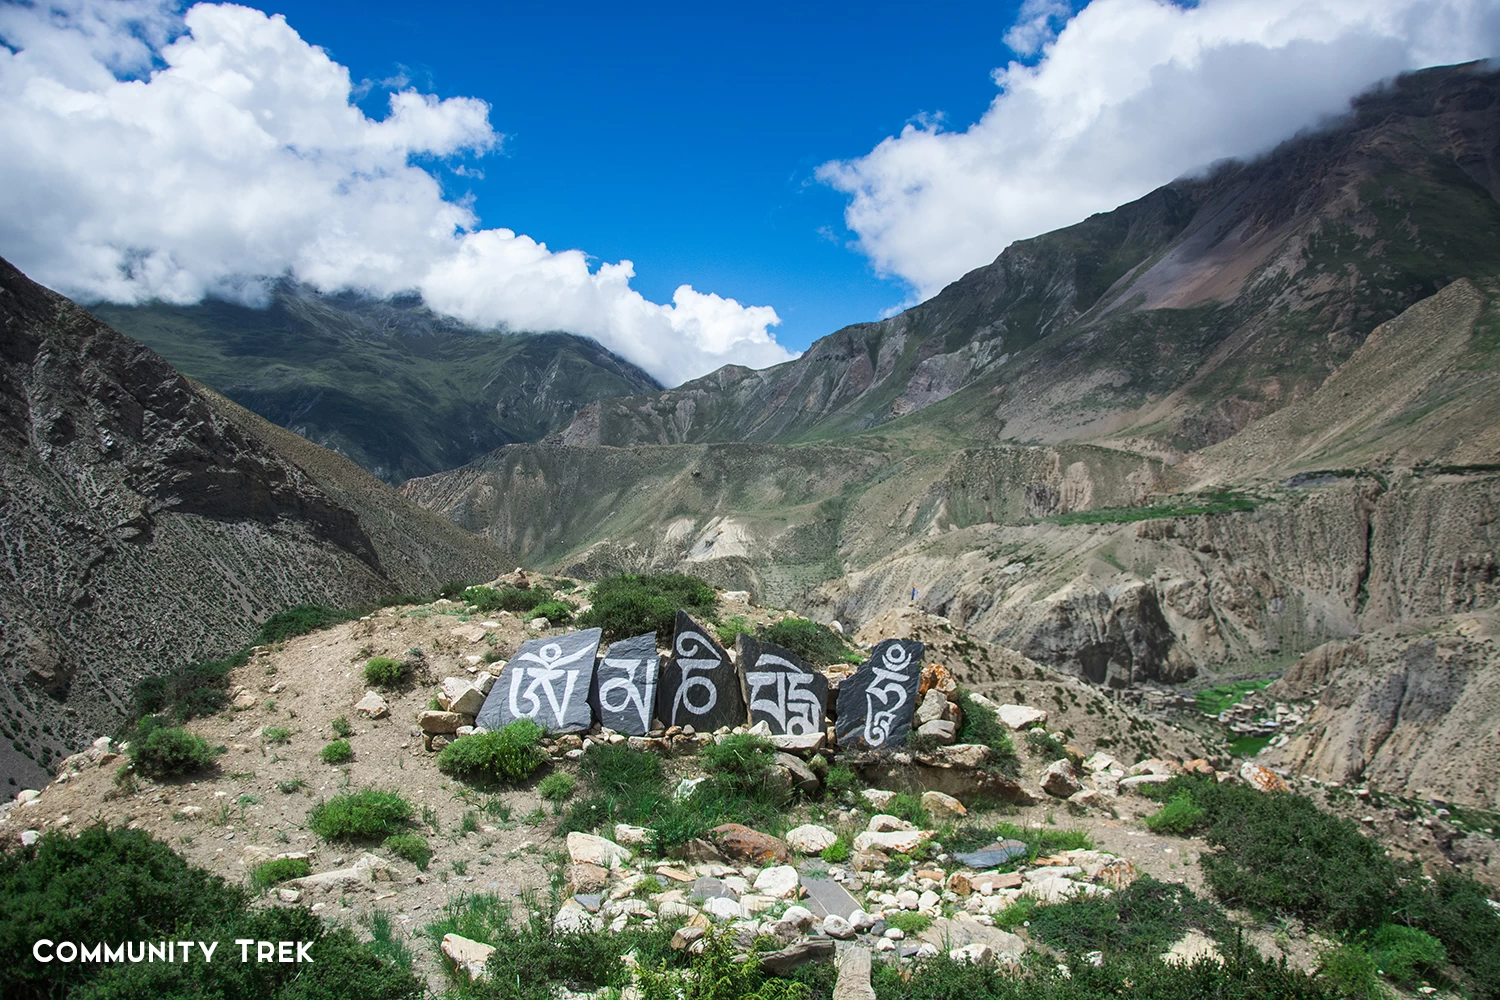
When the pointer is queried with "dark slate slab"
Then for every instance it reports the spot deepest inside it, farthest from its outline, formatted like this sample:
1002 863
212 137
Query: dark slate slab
782 691
876 703
699 685
711 888
825 896
624 695
547 681
994 855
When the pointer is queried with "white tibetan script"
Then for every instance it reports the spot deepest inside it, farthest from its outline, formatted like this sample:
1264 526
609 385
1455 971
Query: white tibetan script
797 710
688 644
888 688
550 662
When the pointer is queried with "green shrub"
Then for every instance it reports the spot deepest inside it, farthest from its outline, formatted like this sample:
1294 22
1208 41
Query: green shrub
1145 918
189 692
507 755
1406 954
837 852
555 612
165 751
300 620
267 874
367 813
451 590
908 922
276 734
840 780
1180 815
629 605
740 758
556 786
337 752
908 806
982 726
716 974
1044 746
818 644
341 728
1353 971
410 847
1017 913
384 672
516 600
733 628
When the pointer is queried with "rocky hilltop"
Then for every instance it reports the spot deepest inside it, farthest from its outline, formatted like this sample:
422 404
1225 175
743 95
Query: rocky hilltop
148 522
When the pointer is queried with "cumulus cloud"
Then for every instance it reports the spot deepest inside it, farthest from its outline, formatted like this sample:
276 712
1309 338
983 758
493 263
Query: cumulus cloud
152 155
1128 96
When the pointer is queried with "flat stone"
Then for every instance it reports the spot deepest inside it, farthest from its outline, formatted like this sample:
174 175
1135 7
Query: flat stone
836 926
588 849
547 681
699 685
802 776
779 963
994 854
940 804
897 841
805 743
1019 717
633 836
785 694
878 798
1137 780
685 936
440 722
624 695
780 882
962 929
744 844
939 729
372 706
885 823
471 956
810 838
853 982
724 908
876 703
825 897
711 888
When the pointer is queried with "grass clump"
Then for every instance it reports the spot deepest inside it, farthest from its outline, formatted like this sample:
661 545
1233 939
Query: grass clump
555 612
384 672
276 734
337 752
165 751
837 852
741 758
1041 743
1145 918
1406 954
716 974
1352 970
732 628
265 875
300 620
630 604
341 728
508 755
557 786
517 600
1180 816
982 726
816 643
409 847
365 814
908 922
840 780
189 692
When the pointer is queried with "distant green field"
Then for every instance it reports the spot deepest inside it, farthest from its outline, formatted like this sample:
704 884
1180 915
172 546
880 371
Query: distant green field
1199 503
1248 746
1212 701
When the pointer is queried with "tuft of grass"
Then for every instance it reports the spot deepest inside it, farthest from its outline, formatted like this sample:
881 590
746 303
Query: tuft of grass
817 644
337 752
364 814
410 847
1042 745
1406 954
982 726
508 755
1352 970
1145 918
276 734
840 780
732 628
384 672
557 786
189 692
1180 816
555 612
909 922
837 852
341 728
630 604
265 875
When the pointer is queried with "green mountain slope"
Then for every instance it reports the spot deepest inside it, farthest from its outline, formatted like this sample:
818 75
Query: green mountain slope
392 386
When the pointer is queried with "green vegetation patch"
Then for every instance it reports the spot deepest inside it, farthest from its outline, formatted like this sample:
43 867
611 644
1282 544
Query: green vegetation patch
164 751
628 605
365 814
556 787
384 672
269 873
337 752
410 847
1219 502
1039 840
1146 918
814 642
1212 701
509 755
300 620
982 726
1180 816
341 728
517 600
189 692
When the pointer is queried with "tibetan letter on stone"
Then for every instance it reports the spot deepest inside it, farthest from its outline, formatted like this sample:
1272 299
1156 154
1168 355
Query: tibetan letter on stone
784 692
547 681
624 696
876 704
699 686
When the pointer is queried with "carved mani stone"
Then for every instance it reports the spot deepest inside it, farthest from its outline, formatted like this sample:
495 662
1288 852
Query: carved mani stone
547 681
699 685
782 691
876 703
624 696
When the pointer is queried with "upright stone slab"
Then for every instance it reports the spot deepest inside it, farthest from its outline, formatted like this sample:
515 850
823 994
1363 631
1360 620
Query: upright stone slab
624 696
547 681
699 685
876 703
782 691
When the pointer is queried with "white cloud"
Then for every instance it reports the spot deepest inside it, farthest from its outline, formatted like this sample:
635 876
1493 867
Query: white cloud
1036 25
151 155
1130 95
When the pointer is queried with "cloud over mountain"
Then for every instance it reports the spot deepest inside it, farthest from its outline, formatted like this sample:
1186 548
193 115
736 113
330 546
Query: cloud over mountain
1127 96
152 155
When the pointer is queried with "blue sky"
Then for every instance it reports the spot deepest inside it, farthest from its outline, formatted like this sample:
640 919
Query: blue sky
683 137
692 186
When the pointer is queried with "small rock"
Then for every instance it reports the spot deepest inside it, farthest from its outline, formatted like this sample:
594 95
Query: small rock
744 844
1262 779
940 804
586 848
836 926
975 954
878 798
466 954
635 836
781 882
685 936
1019 717
288 895
440 723
810 838
884 823
939 729
779 963
1059 779
29 837
372 706
932 708
573 918
897 841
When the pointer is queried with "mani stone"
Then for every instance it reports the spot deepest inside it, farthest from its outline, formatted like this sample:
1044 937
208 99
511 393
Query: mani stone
876 703
547 681
624 696
782 691
699 685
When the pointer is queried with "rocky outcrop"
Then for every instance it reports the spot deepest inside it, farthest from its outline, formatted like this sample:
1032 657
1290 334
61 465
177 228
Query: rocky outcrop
146 522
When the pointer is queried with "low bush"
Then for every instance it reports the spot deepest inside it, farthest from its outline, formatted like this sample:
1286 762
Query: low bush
384 672
1406 954
300 620
269 873
1042 745
508 755
840 780
276 734
908 922
716 975
1145 918
837 852
557 786
741 758
732 628
337 752
817 644
1352 970
1180 816
982 726
908 806
165 751
516 600
365 814
189 692
341 728
410 847
629 605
